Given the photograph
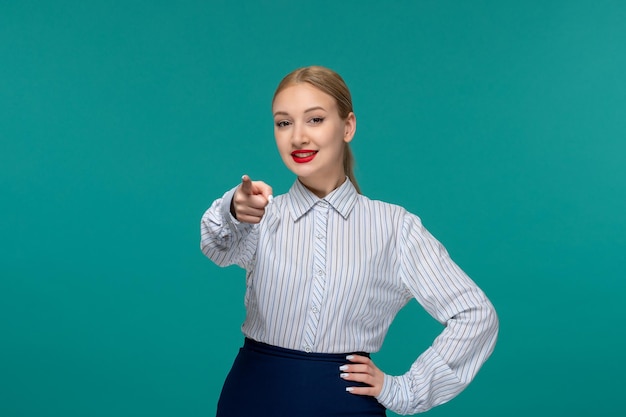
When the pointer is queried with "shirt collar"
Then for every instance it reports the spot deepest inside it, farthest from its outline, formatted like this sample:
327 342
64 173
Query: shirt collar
342 199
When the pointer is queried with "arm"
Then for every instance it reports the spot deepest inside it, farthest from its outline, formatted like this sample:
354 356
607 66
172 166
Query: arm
228 232
451 297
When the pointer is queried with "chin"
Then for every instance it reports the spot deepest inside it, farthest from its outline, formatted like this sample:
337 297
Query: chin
299 170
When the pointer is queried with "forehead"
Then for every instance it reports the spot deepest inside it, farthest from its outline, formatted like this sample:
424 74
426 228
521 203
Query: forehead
300 97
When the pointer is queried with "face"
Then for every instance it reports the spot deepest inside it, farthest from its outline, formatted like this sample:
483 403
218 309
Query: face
311 136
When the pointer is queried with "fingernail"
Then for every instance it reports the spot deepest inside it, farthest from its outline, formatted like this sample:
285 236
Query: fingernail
350 357
270 198
344 375
349 389
343 368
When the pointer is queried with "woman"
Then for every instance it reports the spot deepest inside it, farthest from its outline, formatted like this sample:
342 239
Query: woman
327 271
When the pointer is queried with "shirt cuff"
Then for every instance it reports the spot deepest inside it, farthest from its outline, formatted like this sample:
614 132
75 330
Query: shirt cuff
388 396
227 216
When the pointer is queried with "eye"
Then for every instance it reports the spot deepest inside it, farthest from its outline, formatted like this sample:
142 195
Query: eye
282 123
316 120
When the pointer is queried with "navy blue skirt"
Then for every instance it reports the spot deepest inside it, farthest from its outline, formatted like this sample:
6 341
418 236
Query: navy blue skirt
270 381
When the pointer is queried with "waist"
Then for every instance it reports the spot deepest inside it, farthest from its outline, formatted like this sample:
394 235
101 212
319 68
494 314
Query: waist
266 349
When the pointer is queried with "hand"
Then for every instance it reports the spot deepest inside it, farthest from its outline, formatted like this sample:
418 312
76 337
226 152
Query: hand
250 199
362 369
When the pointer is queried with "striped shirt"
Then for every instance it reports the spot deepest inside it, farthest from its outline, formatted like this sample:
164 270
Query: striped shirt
329 275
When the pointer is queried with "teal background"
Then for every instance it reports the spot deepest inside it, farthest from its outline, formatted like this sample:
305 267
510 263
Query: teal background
501 124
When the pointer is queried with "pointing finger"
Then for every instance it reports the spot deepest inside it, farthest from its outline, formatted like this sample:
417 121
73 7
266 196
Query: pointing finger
246 185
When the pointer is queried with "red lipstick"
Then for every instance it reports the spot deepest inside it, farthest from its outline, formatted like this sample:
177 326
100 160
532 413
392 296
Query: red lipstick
302 156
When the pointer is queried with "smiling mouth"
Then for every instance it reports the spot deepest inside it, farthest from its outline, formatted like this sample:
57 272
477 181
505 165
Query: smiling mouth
304 155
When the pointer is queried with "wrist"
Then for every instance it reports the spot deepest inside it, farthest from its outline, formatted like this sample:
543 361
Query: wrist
232 207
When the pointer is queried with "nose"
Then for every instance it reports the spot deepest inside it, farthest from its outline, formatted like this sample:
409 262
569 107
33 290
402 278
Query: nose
298 136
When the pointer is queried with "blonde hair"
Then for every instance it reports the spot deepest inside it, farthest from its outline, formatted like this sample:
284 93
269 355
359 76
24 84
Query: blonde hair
331 83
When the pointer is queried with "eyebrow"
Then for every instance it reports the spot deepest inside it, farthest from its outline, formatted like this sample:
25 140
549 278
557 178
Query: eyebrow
284 113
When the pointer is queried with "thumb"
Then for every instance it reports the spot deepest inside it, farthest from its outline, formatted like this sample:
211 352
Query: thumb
265 190
259 188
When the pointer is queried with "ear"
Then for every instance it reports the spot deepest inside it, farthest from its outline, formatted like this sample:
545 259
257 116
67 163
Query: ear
350 127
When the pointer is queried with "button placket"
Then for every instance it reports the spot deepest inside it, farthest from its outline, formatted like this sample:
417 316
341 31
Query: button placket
318 282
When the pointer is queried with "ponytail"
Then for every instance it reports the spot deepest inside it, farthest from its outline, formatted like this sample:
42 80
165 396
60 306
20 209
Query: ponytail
348 166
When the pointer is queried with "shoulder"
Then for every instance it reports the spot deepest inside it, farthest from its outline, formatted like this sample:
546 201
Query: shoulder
385 210
382 206
403 219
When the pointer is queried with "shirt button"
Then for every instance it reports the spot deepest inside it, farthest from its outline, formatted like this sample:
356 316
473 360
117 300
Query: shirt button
320 272
307 349
315 310
320 236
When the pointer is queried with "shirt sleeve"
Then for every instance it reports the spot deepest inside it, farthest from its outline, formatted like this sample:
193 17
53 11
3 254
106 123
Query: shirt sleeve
224 239
452 298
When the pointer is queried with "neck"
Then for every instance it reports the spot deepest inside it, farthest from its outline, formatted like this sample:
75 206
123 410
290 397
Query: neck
322 190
